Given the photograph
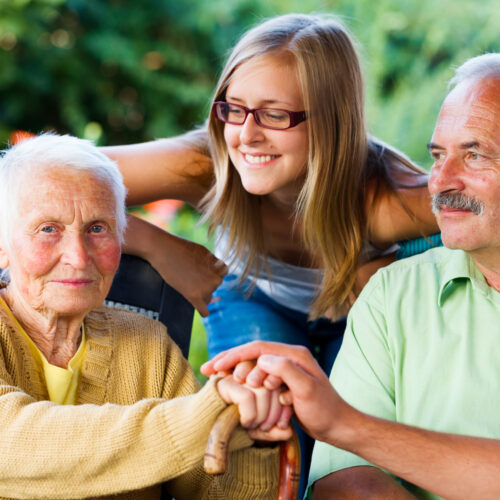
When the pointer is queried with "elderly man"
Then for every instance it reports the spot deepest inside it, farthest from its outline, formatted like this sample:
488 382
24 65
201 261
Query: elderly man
96 401
418 374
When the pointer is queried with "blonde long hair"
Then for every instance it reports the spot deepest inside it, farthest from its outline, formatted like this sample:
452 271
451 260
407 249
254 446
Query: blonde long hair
331 203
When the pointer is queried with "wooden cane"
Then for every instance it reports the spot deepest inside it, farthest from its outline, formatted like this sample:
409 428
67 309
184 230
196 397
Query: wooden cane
289 468
215 460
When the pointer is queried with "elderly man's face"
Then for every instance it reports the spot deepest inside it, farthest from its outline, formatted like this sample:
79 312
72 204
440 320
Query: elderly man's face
466 170
65 249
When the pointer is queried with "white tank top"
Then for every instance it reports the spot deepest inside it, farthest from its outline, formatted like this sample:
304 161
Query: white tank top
291 286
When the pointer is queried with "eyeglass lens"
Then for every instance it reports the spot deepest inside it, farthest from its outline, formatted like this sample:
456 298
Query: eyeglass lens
267 117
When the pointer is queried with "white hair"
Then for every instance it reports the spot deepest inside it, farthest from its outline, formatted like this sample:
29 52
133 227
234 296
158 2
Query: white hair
50 150
478 68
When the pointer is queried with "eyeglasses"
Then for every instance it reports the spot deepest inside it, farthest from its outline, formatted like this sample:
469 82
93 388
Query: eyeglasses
275 119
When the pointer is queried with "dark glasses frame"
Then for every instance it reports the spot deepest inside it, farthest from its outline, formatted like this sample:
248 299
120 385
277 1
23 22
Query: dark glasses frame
295 117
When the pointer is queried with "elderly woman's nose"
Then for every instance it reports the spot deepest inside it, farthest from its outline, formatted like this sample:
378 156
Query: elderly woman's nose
75 251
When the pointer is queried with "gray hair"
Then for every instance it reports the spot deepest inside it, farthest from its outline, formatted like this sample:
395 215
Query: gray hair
478 68
51 150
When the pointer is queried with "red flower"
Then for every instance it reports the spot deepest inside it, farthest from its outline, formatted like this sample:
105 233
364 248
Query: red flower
18 136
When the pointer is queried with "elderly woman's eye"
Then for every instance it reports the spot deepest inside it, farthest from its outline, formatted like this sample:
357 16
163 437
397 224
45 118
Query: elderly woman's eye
97 228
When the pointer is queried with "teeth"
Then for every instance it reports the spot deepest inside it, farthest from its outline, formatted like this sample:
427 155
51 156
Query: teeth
259 159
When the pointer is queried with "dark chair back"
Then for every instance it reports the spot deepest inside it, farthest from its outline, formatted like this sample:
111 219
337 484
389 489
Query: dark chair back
137 286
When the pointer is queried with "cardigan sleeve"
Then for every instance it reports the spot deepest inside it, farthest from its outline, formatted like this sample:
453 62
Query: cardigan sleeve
53 451
252 472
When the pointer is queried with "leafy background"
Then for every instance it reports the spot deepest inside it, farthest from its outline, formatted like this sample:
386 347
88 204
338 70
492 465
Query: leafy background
122 71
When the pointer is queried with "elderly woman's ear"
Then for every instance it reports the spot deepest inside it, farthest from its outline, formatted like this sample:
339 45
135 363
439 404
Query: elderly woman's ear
4 259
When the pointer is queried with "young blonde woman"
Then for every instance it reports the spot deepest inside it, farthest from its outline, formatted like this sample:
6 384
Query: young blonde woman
304 203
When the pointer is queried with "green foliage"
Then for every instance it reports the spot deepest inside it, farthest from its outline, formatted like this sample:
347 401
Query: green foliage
118 71
122 71
410 50
185 224
198 352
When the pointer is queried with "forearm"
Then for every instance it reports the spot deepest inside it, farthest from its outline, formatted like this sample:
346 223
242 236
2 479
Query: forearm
452 466
362 482
103 449
166 168
188 267
406 214
147 240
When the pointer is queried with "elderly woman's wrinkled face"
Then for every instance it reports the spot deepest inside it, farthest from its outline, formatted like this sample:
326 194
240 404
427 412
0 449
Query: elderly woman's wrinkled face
64 249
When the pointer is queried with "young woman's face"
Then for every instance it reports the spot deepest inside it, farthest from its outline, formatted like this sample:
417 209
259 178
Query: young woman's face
269 162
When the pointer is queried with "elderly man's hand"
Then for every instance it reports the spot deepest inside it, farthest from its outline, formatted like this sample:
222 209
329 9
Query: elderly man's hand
261 412
315 402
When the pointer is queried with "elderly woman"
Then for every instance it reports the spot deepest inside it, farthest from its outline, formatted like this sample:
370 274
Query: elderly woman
95 401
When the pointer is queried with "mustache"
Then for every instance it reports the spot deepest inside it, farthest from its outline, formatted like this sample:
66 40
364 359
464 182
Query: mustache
456 200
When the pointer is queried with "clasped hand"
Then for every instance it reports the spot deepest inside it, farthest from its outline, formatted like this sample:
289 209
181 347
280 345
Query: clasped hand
270 365
260 409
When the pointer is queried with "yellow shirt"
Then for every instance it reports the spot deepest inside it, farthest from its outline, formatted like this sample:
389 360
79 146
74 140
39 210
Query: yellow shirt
62 383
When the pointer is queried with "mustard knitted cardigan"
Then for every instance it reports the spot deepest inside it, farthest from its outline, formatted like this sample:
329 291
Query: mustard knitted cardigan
139 420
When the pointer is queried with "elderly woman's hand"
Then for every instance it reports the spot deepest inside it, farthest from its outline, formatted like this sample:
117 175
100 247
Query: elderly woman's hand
261 412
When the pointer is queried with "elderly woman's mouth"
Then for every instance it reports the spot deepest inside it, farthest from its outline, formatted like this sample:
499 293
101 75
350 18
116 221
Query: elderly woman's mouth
73 282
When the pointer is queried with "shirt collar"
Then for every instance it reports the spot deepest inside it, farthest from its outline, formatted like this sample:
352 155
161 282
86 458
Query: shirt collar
460 269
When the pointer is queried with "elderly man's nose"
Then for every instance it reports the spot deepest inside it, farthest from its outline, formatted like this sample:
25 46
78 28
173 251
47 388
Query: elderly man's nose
75 251
446 176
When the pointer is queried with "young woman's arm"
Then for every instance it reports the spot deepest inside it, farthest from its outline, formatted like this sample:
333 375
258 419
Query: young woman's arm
394 217
173 168
170 168
403 215
186 266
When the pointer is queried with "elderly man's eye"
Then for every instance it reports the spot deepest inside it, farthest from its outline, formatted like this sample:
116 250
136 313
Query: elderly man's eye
48 229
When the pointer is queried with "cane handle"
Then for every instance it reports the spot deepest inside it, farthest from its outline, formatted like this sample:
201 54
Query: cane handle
216 452
215 459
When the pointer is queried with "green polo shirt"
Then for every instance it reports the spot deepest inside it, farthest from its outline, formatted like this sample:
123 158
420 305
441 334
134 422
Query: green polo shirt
422 347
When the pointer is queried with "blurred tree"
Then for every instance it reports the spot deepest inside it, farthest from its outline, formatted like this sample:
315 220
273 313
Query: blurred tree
122 71
116 71
410 49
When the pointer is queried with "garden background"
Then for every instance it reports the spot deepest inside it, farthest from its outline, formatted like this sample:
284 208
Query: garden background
125 71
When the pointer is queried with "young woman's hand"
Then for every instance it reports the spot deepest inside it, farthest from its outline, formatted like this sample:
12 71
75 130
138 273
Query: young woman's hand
188 267
192 270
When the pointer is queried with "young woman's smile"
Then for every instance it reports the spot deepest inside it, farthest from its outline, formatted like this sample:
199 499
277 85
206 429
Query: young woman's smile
257 160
